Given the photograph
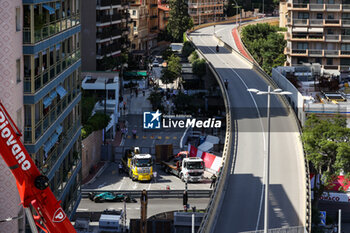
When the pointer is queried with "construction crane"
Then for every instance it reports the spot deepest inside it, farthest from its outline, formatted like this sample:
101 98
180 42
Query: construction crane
33 187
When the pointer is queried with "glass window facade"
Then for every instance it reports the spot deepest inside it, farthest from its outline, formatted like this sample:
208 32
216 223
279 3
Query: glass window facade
41 21
52 89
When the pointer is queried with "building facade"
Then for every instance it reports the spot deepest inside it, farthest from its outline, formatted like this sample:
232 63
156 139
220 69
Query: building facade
41 89
163 15
144 16
51 94
206 11
319 32
105 31
11 95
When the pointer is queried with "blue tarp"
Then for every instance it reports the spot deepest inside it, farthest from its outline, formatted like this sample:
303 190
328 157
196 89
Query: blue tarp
61 91
47 101
49 8
59 130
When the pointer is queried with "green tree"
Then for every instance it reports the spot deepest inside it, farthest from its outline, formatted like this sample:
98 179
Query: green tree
174 65
265 44
199 67
168 76
167 53
96 122
194 56
187 49
179 19
326 143
156 100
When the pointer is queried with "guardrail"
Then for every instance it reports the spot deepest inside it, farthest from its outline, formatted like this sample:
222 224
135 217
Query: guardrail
269 80
211 213
153 193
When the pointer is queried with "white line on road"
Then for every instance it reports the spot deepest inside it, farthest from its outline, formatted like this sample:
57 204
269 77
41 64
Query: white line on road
263 131
121 183
101 185
83 210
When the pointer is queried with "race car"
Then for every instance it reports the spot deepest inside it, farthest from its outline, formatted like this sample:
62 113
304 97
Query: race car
110 197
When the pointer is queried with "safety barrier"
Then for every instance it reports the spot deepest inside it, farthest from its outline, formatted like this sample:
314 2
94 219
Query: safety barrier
281 230
215 203
153 193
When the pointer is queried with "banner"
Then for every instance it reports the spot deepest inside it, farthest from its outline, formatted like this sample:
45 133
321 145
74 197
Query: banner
211 161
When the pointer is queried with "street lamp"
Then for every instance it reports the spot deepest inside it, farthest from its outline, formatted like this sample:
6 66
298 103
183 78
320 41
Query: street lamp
267 158
237 6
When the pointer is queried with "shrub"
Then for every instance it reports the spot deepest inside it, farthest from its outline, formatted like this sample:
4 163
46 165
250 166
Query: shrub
199 67
187 49
96 122
194 56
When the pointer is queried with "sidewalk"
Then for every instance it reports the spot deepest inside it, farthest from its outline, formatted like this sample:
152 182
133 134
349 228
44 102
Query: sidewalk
95 171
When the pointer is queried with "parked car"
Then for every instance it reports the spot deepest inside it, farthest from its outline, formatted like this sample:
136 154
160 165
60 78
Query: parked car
110 197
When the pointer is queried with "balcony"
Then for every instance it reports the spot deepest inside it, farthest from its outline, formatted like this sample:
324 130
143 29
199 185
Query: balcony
300 22
346 7
332 7
104 50
103 18
154 5
108 34
331 22
154 16
299 52
331 53
315 22
116 17
332 38
345 38
316 7
300 6
344 53
345 22
103 3
315 53
116 2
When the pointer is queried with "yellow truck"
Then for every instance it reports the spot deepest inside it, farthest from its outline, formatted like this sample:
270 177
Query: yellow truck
138 166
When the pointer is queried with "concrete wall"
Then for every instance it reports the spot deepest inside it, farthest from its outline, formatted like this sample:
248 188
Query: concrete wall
91 151
11 95
296 99
88 38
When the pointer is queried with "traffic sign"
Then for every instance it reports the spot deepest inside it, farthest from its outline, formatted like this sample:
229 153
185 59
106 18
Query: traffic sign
323 217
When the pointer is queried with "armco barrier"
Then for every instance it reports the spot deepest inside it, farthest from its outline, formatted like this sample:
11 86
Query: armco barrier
215 203
153 193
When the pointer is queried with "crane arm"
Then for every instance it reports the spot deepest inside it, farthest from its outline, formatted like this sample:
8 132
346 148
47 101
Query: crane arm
32 186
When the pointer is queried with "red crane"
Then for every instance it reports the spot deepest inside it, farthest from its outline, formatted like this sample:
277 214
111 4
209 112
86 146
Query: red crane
31 184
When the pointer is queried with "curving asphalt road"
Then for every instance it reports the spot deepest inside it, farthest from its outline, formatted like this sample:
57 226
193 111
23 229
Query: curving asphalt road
243 202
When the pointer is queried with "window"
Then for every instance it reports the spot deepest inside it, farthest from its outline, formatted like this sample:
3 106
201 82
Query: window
330 16
133 12
18 19
329 61
330 32
319 16
303 15
18 70
302 45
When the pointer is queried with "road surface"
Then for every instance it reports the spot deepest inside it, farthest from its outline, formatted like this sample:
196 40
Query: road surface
243 202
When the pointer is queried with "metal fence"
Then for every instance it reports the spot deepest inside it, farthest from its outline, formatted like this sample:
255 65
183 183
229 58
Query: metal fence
282 230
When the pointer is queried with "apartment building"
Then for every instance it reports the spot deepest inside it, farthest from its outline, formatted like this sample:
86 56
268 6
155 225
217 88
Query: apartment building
144 16
40 86
319 32
105 31
11 95
163 15
206 11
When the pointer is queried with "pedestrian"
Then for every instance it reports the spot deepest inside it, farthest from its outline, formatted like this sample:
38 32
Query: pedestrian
120 168
155 176
136 92
134 133
335 229
143 92
213 181
226 83
185 200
